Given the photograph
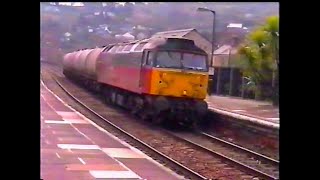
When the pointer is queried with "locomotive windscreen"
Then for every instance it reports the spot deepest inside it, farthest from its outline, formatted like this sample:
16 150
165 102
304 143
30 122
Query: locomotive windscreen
181 44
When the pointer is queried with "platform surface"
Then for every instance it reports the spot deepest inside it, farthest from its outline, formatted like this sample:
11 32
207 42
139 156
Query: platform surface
261 111
73 148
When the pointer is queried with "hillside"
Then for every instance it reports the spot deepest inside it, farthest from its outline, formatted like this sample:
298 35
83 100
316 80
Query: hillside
66 28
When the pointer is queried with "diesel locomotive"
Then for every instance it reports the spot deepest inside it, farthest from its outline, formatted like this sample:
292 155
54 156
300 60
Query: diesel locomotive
163 79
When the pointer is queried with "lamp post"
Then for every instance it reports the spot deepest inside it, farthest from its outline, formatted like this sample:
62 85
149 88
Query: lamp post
212 48
213 29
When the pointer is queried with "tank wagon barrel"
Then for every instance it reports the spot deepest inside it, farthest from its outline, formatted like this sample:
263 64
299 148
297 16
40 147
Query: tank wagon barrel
91 60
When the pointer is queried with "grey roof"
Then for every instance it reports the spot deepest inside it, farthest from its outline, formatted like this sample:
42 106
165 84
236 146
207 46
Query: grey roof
175 33
225 50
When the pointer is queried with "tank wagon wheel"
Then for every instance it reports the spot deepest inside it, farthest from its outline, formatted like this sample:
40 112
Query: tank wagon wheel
89 86
98 88
106 96
86 83
113 97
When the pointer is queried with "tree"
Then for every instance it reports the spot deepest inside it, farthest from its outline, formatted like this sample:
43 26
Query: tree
272 29
260 56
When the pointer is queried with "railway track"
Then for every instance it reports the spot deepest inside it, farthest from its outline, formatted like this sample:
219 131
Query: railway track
193 171
254 154
255 163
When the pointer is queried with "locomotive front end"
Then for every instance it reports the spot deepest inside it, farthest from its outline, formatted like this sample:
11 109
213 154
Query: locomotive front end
178 85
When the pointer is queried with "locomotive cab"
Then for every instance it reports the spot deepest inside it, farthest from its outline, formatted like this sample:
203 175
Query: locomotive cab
175 78
179 70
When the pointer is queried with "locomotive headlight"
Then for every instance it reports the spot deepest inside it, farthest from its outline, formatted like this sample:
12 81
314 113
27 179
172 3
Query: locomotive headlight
164 75
184 92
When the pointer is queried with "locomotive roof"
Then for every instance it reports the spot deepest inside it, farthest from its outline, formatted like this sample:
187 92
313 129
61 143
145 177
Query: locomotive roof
151 40
159 42
164 42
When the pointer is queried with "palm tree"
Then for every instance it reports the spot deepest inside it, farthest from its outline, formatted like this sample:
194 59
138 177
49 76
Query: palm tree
272 29
260 56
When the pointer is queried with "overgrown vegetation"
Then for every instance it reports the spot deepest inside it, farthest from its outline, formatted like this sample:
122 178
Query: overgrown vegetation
259 59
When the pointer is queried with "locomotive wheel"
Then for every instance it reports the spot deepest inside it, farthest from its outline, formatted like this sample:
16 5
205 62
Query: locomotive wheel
132 106
144 116
158 118
194 121
195 126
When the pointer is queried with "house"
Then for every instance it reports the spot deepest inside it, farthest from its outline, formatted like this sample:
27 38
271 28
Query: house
234 25
125 37
223 56
128 36
192 34
237 28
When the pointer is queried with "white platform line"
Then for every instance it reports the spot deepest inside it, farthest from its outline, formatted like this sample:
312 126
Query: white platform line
114 174
56 122
81 160
238 110
123 153
275 119
266 110
78 146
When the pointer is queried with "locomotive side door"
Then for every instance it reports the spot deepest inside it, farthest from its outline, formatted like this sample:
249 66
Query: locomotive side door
145 68
142 65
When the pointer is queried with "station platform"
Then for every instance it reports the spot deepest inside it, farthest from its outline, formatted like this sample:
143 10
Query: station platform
259 112
75 148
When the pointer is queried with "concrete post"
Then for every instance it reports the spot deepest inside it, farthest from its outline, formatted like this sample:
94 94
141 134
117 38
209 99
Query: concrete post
242 85
218 80
231 81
